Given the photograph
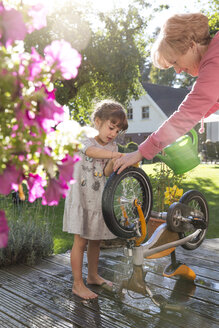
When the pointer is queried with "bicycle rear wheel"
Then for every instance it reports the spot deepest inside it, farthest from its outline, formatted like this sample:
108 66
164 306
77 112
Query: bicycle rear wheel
198 203
118 198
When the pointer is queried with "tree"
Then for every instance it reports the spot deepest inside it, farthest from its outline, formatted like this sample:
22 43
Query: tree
113 55
162 77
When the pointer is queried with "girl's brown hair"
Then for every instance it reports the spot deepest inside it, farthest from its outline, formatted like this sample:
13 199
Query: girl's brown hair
177 35
111 110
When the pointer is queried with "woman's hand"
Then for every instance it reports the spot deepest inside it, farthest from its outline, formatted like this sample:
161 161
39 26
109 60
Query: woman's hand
127 160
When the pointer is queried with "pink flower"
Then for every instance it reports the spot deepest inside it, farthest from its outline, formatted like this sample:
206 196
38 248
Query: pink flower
3 230
66 169
54 191
47 151
13 26
44 124
35 185
38 13
27 118
49 110
10 179
35 66
64 58
50 94
49 114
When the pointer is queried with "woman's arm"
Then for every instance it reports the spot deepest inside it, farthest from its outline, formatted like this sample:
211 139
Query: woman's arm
201 101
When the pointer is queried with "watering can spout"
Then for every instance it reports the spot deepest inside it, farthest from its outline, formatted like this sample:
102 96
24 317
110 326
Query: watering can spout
182 155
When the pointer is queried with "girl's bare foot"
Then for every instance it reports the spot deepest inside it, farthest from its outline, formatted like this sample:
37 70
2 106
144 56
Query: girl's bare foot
98 280
82 291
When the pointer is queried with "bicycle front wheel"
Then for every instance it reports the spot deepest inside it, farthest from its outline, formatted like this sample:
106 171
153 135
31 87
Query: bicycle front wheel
119 195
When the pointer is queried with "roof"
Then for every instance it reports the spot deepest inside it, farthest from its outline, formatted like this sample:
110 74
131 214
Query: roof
167 98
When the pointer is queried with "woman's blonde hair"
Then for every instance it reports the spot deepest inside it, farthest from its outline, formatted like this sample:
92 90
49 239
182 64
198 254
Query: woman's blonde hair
176 37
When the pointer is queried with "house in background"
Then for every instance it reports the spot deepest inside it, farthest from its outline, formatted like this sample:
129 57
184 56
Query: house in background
146 114
212 127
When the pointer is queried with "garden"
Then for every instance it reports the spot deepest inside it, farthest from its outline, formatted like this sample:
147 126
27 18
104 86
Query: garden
204 178
36 230
40 74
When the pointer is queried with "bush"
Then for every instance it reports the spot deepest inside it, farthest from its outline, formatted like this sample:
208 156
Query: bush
122 148
30 238
130 147
162 180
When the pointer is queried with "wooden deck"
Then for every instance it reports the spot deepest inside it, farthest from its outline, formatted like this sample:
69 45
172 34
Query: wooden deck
40 296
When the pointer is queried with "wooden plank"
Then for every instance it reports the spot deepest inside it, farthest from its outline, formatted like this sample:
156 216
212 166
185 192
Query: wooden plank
117 316
8 322
49 300
204 275
111 309
110 306
210 284
183 317
28 314
33 296
184 288
203 268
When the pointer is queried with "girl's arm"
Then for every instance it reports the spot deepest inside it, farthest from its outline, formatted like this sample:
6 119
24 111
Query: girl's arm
109 166
96 152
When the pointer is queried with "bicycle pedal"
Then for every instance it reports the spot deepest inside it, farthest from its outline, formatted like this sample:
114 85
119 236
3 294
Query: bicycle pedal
198 223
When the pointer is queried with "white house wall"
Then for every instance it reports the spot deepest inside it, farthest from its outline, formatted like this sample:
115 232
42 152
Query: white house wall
212 128
146 125
212 131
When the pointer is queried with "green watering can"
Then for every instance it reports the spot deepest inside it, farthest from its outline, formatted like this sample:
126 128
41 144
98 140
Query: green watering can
182 155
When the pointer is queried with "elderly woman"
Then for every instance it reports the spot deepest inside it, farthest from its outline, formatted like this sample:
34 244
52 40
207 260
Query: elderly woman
185 44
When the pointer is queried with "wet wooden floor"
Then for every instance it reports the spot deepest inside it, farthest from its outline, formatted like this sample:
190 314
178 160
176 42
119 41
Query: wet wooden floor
40 296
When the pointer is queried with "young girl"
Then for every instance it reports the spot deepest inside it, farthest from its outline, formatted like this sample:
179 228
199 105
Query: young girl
83 210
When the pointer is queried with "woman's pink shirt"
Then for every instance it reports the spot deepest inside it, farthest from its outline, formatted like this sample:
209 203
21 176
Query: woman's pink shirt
202 101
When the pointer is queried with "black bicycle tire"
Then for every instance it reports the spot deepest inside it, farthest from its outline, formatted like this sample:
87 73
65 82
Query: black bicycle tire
186 198
108 199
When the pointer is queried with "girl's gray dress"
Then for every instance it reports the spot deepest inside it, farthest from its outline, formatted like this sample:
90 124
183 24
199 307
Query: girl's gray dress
83 208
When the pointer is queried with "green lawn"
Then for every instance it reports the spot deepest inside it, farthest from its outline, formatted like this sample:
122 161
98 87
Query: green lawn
63 241
204 178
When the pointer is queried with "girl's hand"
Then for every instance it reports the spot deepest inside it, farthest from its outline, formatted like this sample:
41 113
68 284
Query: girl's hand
116 155
109 167
127 160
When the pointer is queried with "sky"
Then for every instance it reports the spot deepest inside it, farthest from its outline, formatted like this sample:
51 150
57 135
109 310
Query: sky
176 6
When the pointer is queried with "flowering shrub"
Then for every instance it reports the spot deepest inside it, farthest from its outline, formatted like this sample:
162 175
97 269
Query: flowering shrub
36 146
165 186
172 194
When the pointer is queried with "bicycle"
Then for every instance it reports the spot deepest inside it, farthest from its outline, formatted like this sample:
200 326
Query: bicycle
127 207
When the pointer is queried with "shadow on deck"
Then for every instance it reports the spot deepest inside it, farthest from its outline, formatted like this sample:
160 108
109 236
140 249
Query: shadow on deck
40 296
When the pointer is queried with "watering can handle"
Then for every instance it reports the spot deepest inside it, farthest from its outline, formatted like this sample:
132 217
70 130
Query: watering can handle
195 137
